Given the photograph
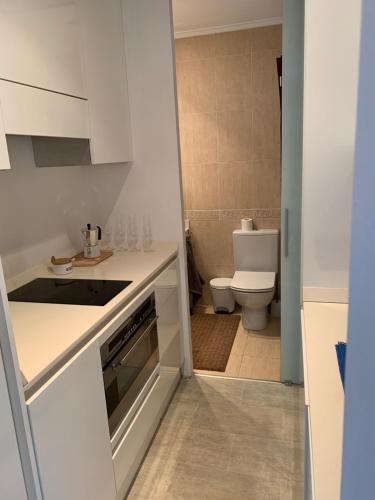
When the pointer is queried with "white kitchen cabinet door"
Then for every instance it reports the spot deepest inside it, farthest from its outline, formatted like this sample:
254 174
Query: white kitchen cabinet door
40 45
309 472
107 87
4 155
169 319
30 111
70 432
12 486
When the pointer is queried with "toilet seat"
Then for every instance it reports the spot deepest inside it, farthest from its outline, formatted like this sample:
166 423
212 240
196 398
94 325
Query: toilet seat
249 281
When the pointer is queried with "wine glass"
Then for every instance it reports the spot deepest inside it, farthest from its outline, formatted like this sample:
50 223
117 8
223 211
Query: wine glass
120 235
147 234
132 234
108 228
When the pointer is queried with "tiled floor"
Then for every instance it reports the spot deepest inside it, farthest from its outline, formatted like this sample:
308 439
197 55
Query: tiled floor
254 355
226 439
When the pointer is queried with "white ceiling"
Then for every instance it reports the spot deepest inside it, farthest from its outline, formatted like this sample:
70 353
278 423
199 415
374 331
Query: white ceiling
217 15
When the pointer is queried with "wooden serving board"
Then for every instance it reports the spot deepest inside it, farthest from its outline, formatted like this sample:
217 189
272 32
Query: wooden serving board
80 261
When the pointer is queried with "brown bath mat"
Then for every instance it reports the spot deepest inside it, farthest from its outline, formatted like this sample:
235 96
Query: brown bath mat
212 337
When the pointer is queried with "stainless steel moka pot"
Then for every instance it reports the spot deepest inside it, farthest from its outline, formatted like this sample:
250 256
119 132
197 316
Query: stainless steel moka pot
92 236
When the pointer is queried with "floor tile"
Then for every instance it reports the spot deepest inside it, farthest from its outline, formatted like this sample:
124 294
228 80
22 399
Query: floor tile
226 439
262 348
252 352
260 368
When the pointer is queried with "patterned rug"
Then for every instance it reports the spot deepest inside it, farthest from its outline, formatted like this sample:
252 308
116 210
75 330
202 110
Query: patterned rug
212 337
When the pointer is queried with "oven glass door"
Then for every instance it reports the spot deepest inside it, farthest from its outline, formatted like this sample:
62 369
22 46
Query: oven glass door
128 372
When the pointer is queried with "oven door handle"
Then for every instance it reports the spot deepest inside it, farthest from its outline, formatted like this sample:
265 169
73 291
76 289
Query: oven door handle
150 326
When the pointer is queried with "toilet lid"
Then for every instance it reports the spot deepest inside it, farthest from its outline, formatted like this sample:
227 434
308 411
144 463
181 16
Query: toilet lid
221 283
253 281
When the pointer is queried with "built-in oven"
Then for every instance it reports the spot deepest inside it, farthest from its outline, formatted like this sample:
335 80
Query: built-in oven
130 358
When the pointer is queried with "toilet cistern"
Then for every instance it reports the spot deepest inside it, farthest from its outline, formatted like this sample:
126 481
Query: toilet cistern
256 265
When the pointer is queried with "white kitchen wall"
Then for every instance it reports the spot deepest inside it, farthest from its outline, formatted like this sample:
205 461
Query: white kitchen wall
153 186
43 209
330 95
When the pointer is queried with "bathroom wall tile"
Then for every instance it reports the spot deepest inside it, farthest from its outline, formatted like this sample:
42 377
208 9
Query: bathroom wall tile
252 213
234 135
265 79
206 298
202 215
219 271
204 240
196 86
230 144
198 135
212 243
269 223
267 212
269 37
249 184
233 43
199 47
267 183
201 186
237 188
233 82
265 138
236 214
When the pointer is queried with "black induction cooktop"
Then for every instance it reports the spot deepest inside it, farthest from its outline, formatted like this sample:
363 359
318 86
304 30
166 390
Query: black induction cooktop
68 291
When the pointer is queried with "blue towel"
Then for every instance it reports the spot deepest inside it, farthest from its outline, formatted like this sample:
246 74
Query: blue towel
341 356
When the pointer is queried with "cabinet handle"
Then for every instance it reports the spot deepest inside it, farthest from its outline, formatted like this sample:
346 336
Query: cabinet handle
286 232
150 326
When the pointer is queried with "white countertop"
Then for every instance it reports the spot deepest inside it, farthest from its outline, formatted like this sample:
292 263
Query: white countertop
324 325
46 333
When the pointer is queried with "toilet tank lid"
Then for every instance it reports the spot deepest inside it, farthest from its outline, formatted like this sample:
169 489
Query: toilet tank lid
256 231
253 281
221 283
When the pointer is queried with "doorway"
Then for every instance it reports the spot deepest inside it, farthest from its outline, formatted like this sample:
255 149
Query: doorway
229 116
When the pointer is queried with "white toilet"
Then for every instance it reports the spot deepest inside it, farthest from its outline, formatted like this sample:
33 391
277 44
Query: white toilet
256 265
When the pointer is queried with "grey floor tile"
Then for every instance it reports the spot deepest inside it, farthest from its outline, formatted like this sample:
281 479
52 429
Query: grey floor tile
268 458
212 389
225 439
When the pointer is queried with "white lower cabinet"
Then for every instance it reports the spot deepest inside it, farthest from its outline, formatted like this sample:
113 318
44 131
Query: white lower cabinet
12 485
70 432
309 477
133 446
131 449
167 293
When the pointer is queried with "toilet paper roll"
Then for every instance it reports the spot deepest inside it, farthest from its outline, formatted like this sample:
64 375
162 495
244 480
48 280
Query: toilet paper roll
247 224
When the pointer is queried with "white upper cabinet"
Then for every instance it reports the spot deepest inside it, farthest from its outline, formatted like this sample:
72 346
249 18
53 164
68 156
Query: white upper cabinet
40 45
107 87
63 74
4 156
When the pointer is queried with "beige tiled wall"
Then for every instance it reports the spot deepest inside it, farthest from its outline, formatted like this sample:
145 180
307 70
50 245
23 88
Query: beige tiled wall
229 113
